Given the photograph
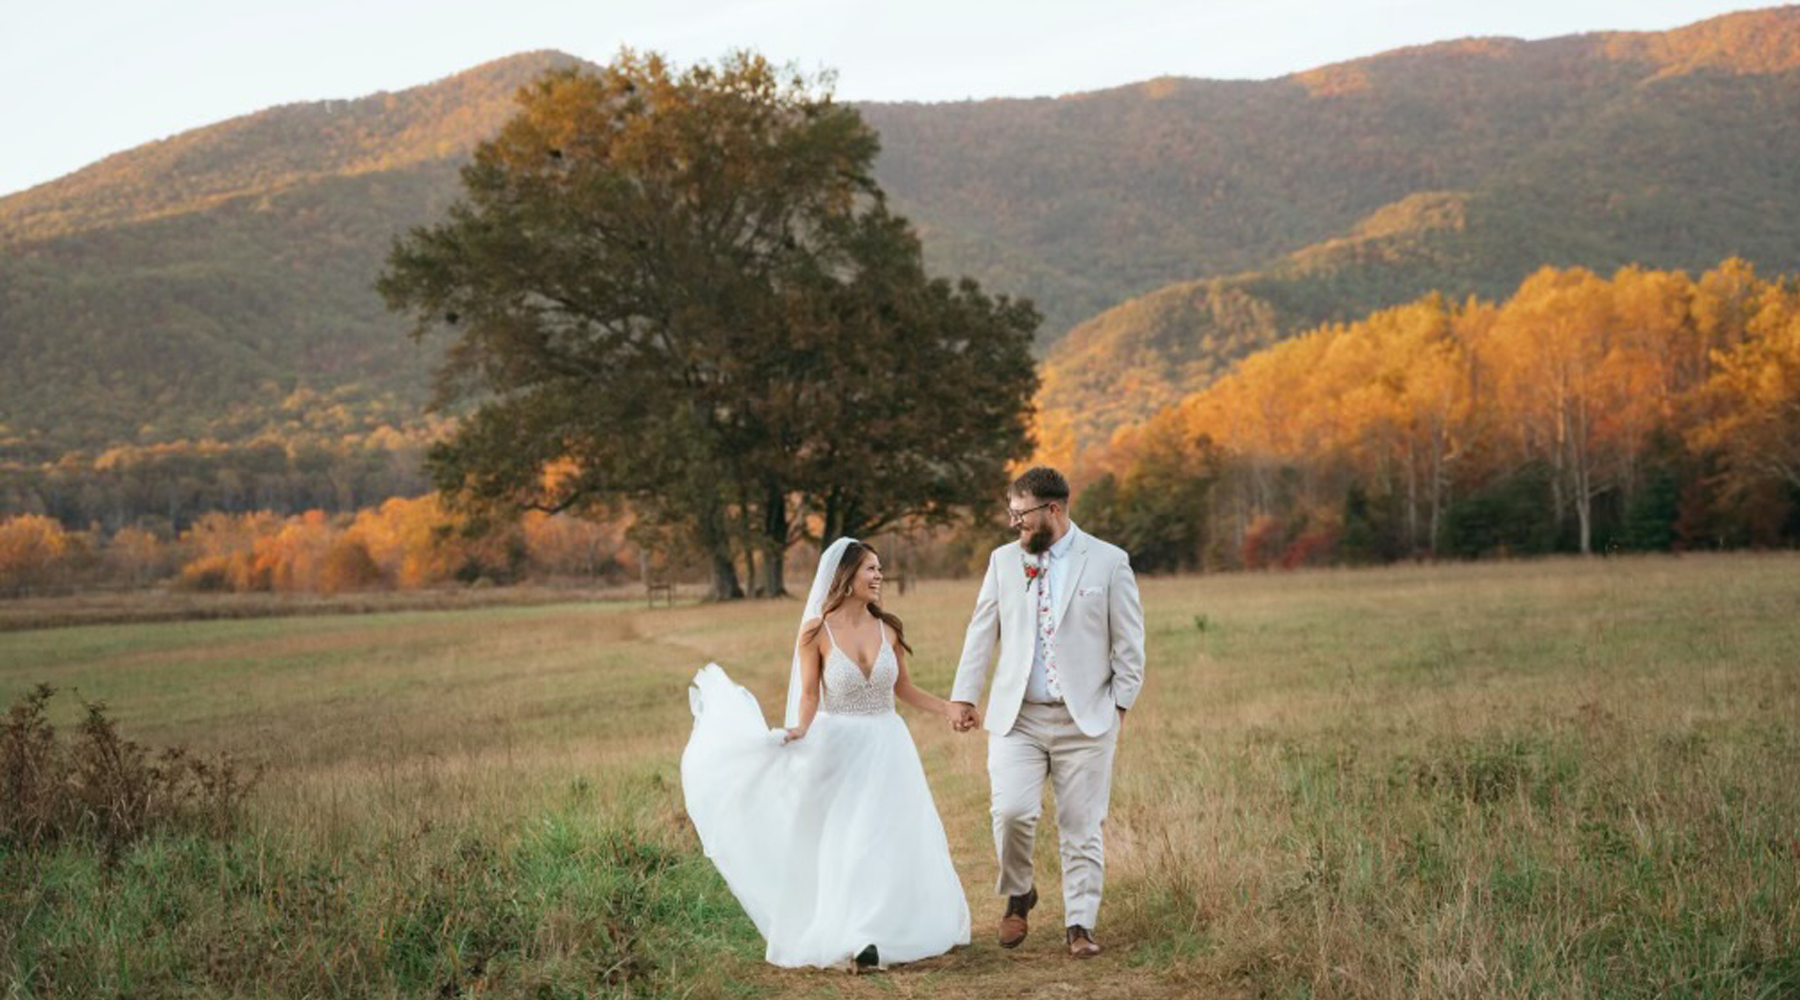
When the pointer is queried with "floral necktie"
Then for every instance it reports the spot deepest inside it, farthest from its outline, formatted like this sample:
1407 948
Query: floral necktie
1046 627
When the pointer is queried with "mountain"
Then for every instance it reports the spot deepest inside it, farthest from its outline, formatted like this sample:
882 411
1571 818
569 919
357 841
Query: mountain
1233 214
1075 199
1136 358
185 287
278 149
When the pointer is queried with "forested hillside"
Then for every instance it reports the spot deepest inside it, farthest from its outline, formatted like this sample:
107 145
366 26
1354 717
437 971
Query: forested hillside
190 289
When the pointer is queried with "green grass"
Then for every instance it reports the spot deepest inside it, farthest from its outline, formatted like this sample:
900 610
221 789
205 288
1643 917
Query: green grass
563 906
1539 779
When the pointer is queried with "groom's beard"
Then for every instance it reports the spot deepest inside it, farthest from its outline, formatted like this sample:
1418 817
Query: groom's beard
1038 542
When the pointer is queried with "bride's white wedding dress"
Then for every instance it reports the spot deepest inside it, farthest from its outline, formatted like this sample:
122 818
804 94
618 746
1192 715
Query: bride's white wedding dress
831 842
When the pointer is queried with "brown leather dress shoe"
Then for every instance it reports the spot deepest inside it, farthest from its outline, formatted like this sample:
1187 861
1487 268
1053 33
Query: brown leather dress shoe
1013 925
1082 943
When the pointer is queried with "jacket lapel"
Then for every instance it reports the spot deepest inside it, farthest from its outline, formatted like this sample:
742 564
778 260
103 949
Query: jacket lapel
1072 577
1017 598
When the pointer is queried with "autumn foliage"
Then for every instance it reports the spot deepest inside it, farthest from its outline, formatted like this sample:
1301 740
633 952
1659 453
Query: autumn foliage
35 552
405 543
1651 410
1648 411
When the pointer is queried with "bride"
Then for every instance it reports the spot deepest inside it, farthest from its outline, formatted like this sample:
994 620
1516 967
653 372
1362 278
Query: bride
826 831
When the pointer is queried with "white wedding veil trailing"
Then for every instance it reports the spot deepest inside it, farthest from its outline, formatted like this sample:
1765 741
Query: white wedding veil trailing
815 606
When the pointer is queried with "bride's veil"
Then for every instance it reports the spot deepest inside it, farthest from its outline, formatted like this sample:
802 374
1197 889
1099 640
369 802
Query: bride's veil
815 606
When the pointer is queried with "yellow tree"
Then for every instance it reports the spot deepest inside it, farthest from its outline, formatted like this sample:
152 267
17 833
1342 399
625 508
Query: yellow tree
1724 301
1646 370
1753 402
1257 414
31 549
289 559
1548 357
410 539
1382 401
1435 402
136 555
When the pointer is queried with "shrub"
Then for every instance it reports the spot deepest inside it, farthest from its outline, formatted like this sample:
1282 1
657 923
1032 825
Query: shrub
106 789
348 566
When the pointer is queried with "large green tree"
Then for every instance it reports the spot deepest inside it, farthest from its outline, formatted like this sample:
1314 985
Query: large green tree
685 290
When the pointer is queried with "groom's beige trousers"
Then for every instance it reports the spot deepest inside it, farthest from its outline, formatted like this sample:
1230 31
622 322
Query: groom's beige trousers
1045 742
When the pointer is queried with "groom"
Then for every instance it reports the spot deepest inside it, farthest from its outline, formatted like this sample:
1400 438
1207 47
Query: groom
1063 607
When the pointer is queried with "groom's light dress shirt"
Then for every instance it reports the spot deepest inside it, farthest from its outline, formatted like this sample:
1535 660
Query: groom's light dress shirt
1037 687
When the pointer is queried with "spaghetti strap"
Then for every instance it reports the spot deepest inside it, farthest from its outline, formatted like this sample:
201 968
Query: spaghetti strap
828 635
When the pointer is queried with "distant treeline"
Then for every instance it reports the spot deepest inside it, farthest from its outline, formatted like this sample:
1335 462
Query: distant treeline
166 488
402 544
1649 412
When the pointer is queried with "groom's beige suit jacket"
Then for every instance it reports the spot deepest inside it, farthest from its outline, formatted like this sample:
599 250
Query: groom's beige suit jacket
1099 636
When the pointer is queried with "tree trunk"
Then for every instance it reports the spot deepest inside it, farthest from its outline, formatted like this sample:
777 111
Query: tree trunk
1437 489
1412 498
715 540
725 579
774 569
1584 517
726 585
774 544
1582 466
744 539
1559 455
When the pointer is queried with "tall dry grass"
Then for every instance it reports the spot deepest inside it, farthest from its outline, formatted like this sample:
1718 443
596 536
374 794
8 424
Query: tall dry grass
1542 779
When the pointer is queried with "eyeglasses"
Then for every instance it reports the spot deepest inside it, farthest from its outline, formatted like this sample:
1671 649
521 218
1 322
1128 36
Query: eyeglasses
1018 516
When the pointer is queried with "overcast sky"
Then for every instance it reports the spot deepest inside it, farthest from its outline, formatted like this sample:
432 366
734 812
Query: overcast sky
81 79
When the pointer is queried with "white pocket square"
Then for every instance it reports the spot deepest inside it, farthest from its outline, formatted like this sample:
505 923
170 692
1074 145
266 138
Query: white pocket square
1088 591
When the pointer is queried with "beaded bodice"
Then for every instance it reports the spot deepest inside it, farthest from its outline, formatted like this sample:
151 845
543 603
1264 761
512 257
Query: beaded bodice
848 692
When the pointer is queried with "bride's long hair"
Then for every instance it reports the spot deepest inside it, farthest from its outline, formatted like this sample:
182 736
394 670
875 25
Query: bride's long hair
848 563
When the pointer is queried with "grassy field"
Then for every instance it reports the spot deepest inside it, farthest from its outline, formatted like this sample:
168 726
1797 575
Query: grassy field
1540 779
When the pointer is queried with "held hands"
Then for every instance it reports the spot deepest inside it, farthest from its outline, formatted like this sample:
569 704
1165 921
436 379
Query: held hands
793 734
963 716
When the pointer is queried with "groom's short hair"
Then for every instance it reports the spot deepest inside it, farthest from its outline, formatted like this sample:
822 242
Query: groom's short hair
1043 482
